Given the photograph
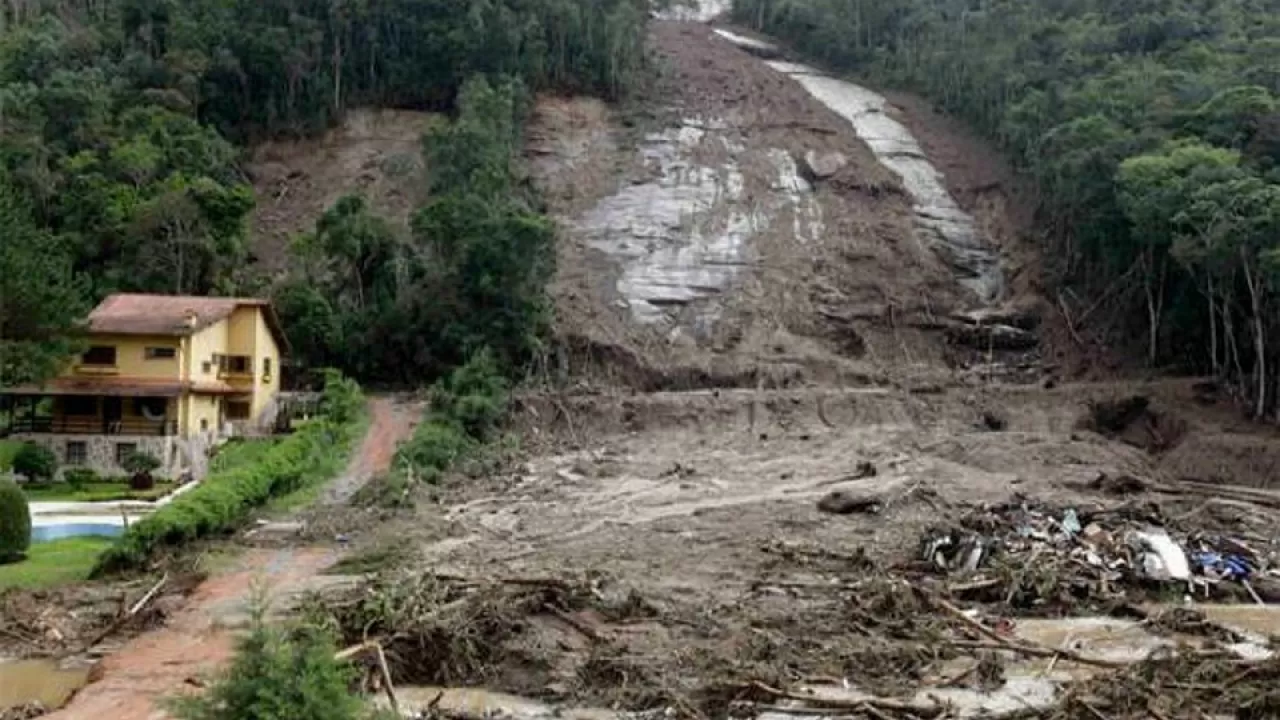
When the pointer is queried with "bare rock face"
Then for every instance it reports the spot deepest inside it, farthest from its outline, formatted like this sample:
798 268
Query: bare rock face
814 166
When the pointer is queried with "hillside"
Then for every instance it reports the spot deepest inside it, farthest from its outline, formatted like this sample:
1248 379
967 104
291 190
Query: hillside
373 153
700 246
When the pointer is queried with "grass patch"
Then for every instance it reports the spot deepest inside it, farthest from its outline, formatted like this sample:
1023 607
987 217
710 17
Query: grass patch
53 563
106 491
8 451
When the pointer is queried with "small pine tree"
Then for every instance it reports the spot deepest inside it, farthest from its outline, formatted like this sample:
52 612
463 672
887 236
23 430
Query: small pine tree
277 675
15 522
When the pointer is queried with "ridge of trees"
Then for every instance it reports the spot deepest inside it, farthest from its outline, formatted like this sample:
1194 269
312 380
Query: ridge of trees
1152 128
120 122
472 274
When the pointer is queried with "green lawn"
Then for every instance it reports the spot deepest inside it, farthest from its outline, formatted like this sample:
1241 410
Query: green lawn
105 491
8 449
54 563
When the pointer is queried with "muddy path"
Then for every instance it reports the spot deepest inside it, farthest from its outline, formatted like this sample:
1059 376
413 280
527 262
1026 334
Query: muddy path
132 682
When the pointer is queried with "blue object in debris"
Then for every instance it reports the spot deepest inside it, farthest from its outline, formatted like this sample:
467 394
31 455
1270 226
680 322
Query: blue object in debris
1232 567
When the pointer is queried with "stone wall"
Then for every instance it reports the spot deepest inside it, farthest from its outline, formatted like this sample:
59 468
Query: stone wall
100 450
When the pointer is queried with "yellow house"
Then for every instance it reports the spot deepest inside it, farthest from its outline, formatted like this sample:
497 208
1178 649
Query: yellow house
162 374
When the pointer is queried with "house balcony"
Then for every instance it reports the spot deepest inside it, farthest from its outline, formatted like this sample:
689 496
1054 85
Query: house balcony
240 380
72 425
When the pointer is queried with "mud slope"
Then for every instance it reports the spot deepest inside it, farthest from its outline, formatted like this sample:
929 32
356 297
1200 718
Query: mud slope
739 233
374 153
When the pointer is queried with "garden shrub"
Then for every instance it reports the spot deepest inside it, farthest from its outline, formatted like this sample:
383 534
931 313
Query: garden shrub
223 501
78 478
36 462
15 522
140 465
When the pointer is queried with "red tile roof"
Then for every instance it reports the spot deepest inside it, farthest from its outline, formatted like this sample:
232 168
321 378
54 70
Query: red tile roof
161 314
176 315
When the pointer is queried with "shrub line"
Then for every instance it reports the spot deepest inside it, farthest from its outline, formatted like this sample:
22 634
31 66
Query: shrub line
223 501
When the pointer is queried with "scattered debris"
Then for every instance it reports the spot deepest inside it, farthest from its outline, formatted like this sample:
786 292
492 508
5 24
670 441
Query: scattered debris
992 337
678 471
26 711
1044 558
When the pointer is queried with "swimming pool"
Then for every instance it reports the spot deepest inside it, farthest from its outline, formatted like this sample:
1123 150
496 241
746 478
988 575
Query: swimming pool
45 533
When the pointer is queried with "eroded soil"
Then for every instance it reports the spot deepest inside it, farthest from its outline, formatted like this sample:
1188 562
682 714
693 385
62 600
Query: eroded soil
670 550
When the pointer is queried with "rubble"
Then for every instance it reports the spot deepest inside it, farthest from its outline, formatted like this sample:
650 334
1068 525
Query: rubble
1055 559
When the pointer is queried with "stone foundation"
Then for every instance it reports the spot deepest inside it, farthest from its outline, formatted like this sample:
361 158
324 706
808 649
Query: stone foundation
100 451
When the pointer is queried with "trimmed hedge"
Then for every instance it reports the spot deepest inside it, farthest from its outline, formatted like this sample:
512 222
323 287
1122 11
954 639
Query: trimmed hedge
223 500
15 522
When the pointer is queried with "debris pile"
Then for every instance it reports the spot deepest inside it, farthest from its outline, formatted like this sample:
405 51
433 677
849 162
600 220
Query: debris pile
446 630
1033 557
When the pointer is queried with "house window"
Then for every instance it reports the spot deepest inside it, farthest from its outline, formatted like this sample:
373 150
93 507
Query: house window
204 424
206 367
123 451
80 406
236 364
161 353
266 369
100 355
77 452
237 410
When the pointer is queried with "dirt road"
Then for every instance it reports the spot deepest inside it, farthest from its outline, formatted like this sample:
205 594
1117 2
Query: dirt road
201 636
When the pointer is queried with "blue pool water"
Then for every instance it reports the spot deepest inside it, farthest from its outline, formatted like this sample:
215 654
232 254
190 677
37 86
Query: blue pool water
45 533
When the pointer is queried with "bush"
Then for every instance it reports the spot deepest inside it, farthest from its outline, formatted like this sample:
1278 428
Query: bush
466 408
277 675
15 522
223 501
79 477
140 465
36 462
473 396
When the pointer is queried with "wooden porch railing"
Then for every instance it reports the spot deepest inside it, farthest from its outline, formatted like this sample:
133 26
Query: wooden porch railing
92 426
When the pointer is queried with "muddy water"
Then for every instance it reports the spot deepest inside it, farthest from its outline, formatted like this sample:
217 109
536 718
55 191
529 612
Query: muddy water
42 681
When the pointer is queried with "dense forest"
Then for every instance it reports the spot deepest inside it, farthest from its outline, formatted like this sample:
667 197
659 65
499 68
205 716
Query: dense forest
123 124
1151 127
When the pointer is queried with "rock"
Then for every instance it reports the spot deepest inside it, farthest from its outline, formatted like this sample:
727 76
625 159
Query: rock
277 528
1123 484
996 337
839 502
814 167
